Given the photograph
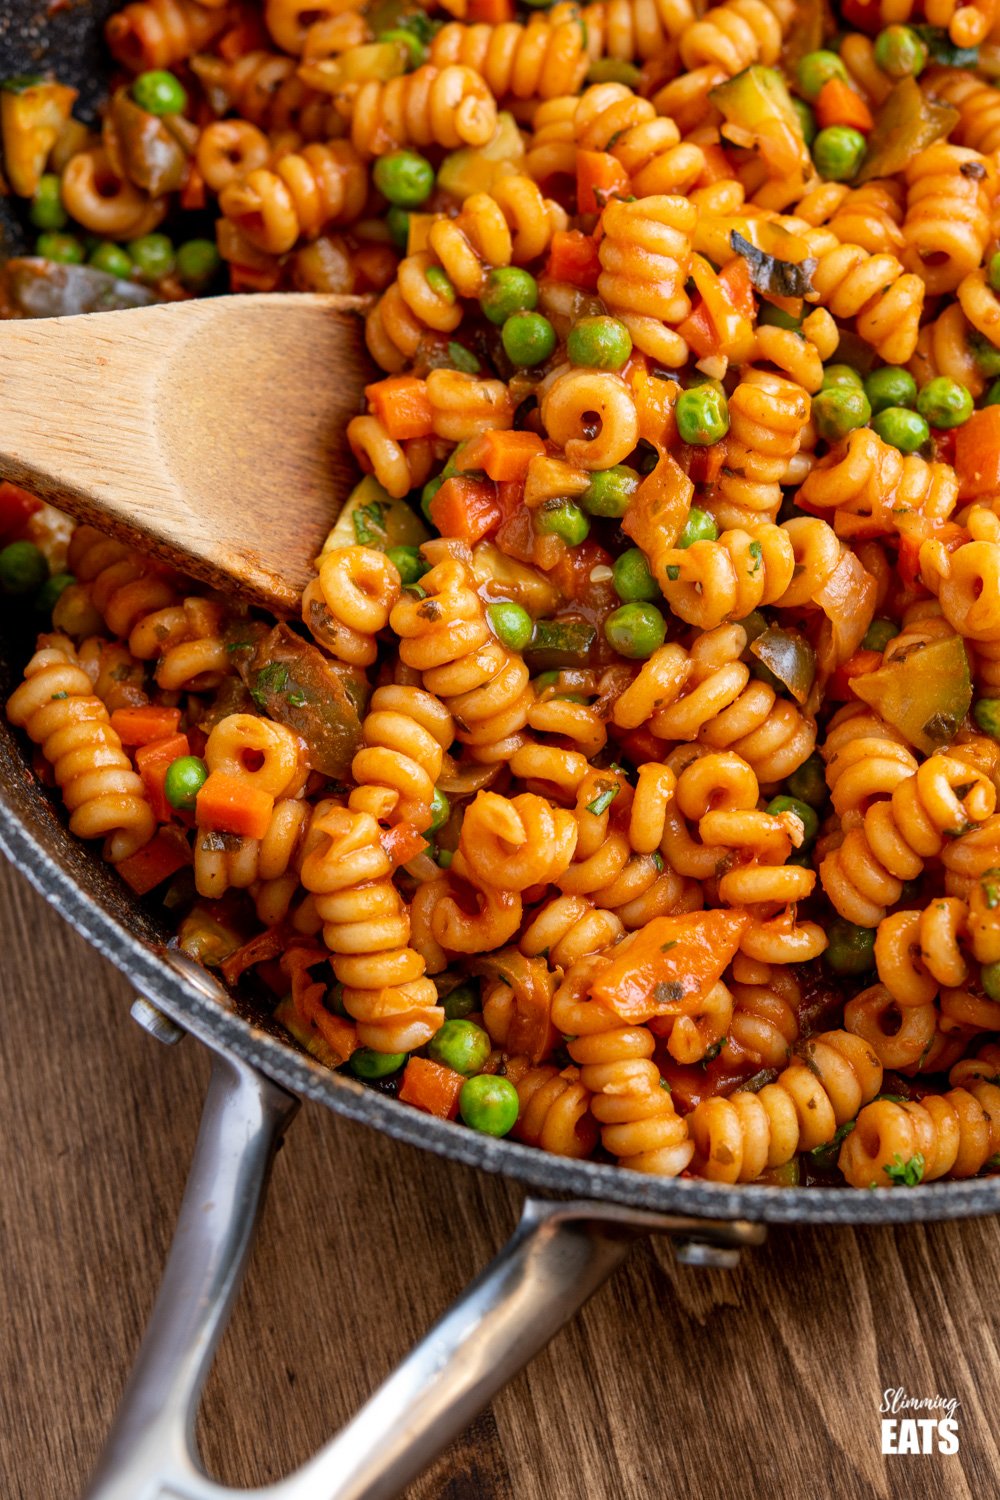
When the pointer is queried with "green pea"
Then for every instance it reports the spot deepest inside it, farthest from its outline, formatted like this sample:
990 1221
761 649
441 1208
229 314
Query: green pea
408 563
404 178
610 491
489 1104
510 623
841 375
807 120
839 410
808 782
905 430
65 249
838 152
440 811
48 594
943 403
600 343
159 93
699 527
460 1002
816 69
440 284
445 857
398 224
990 976
371 1065
900 52
334 999
632 579
46 210
197 262
769 316
851 949
153 255
890 386
986 713
879 634
112 259
702 415
562 518
23 568
460 1045
528 338
184 780
428 492
992 397
636 630
985 354
993 272
413 44
801 810
508 290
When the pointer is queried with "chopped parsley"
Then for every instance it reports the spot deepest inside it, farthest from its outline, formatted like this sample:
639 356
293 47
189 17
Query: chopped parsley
296 698
604 799
757 553
57 697
714 1051
906 1173
666 947
270 679
369 524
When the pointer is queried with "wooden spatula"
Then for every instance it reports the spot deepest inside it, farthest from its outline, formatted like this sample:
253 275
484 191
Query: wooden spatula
207 433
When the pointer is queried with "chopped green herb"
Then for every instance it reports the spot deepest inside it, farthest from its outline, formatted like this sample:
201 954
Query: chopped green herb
667 946
270 679
673 572
757 553
906 1173
239 646
369 524
714 1051
665 1085
296 698
603 801
57 696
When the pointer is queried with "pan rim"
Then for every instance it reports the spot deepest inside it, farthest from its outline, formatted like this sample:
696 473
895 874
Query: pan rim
161 984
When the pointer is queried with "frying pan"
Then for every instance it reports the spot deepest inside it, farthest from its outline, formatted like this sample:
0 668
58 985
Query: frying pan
571 1236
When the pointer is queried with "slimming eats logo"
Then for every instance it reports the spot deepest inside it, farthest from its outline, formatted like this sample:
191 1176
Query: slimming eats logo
918 1424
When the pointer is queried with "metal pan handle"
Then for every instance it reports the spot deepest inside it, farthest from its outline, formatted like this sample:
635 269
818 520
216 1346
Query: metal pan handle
558 1256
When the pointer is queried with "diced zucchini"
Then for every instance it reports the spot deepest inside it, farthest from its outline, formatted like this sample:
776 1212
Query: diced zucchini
925 693
372 518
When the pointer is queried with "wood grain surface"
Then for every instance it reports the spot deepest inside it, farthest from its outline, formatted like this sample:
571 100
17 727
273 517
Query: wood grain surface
673 1382
213 414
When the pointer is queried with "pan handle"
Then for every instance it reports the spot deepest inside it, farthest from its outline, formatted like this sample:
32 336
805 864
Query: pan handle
558 1256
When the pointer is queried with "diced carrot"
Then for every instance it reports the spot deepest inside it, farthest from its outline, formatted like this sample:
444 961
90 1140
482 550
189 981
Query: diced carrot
193 192
265 945
401 405
490 12
17 506
703 465
308 999
573 257
140 726
839 104
858 665
699 329
599 176
503 455
668 966
165 854
402 843
153 761
977 454
430 1087
466 508
231 804
571 574
642 744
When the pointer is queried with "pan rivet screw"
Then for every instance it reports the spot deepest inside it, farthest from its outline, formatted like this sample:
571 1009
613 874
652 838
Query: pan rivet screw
699 1253
155 1022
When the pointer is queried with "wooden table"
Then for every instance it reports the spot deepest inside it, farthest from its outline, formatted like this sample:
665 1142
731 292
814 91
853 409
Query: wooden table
672 1383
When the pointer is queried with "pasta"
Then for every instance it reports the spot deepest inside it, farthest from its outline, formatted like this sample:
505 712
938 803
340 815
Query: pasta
628 782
